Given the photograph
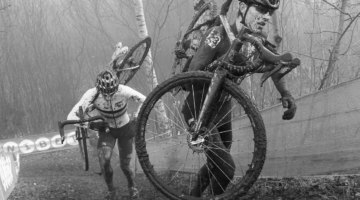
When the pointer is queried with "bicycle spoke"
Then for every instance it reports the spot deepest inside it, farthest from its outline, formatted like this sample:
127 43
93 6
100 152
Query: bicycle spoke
194 102
211 149
177 109
213 176
184 162
177 125
230 179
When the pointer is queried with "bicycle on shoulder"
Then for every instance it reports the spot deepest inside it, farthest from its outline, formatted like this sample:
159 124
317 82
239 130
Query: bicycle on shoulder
127 67
213 125
125 63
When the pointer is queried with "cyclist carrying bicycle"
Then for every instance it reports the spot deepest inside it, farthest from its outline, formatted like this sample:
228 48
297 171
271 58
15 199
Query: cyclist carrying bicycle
109 99
253 15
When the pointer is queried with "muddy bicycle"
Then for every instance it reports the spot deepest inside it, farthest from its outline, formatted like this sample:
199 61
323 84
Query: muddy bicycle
194 142
190 41
125 69
81 134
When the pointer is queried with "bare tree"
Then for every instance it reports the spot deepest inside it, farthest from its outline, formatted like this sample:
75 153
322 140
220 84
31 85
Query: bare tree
334 53
150 72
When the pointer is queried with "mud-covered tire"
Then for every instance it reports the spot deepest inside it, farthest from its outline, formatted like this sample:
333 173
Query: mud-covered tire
129 74
256 158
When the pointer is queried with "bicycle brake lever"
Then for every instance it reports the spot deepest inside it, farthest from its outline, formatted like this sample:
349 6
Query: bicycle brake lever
266 75
293 64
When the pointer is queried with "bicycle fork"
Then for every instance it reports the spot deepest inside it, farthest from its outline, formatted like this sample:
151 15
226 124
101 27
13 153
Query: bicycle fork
211 97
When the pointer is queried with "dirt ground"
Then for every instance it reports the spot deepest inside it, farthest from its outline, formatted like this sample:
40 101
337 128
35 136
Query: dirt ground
307 188
59 175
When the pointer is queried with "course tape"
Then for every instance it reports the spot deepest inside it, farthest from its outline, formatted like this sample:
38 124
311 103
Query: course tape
37 143
9 171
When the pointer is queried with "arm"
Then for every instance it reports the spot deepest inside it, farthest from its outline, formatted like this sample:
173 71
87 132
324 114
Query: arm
135 96
84 102
286 98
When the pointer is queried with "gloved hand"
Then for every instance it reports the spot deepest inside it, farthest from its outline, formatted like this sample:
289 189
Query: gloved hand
180 53
90 108
289 103
99 126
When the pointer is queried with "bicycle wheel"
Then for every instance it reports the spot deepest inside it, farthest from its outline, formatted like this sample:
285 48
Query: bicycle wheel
171 160
192 32
81 135
132 62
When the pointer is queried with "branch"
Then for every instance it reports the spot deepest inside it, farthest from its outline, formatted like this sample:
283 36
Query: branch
320 32
347 27
309 56
349 45
336 8
166 15
5 7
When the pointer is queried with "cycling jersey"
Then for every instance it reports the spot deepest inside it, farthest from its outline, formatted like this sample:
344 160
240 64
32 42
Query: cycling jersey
215 44
114 109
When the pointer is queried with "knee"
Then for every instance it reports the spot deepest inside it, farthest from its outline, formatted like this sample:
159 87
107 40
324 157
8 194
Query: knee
125 163
104 154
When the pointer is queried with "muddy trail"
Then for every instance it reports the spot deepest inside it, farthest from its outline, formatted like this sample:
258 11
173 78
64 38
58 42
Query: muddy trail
60 175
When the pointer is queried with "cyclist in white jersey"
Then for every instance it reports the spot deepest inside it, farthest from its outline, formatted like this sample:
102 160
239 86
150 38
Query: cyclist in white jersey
109 99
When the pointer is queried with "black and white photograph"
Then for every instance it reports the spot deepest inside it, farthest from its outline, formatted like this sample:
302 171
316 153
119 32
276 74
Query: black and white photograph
179 99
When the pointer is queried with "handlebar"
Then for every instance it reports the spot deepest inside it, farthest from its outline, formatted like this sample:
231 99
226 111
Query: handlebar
246 35
285 60
266 54
61 124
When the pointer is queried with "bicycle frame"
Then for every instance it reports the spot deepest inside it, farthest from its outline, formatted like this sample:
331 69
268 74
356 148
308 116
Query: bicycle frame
62 124
80 133
211 96
221 73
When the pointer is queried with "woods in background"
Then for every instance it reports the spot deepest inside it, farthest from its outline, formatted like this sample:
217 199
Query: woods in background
51 51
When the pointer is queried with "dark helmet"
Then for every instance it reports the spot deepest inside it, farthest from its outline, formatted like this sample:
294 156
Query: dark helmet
271 4
107 82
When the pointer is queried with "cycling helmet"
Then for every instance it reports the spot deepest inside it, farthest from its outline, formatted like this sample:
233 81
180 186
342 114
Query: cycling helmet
271 4
107 83
268 5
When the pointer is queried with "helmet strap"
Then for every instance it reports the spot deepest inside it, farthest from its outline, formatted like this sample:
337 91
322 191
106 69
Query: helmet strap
244 15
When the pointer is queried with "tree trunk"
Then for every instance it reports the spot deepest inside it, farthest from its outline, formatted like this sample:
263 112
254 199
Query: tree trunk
334 54
148 65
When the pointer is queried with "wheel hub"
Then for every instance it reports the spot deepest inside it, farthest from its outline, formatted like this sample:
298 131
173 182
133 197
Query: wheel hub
198 145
